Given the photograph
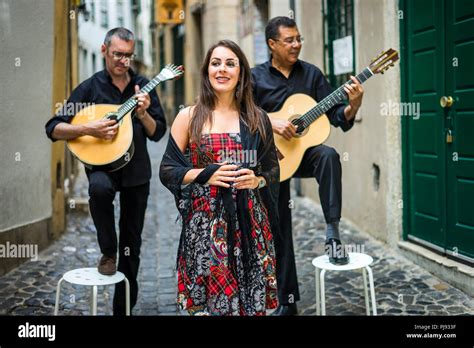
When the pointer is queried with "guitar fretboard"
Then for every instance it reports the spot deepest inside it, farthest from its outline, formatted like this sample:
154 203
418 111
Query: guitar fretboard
334 98
132 102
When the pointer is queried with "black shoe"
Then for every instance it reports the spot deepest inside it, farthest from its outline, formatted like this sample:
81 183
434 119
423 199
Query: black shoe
286 310
336 252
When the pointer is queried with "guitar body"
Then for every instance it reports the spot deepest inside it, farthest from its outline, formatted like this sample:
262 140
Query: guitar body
310 118
291 151
107 155
111 155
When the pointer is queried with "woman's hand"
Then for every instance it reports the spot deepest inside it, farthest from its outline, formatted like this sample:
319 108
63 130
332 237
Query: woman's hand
225 174
246 179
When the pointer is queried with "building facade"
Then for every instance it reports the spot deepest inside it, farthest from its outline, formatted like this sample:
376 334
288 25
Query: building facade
39 48
408 173
99 16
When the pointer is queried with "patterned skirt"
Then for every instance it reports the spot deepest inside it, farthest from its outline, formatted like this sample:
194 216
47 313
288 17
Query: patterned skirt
207 284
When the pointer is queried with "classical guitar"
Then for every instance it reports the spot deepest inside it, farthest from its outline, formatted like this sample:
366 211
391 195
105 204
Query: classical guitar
111 155
309 117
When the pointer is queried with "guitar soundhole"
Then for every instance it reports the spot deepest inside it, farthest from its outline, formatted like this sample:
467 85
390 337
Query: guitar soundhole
111 116
301 130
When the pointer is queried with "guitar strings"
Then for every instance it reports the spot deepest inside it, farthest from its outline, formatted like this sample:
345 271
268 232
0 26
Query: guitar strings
130 104
335 97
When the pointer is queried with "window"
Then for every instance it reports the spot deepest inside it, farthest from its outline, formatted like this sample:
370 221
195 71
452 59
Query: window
84 71
92 11
94 67
140 53
161 44
120 21
104 15
338 24
136 6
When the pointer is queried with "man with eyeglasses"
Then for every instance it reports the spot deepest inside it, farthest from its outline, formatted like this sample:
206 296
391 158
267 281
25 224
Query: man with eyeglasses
273 82
114 85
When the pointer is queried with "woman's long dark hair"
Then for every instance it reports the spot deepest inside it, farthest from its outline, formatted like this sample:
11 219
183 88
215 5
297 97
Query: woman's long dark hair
250 114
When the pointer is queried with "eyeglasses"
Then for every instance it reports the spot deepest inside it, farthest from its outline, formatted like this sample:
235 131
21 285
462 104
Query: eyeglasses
291 40
229 63
120 55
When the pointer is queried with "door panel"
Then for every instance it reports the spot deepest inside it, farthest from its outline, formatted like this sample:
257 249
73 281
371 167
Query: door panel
426 68
460 160
439 54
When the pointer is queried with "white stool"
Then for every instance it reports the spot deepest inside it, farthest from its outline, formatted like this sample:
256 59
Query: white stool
356 261
92 277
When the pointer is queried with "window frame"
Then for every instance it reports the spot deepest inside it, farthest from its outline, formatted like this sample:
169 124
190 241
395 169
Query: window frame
104 14
335 28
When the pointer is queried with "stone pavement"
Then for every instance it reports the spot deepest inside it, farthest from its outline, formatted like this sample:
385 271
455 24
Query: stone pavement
402 287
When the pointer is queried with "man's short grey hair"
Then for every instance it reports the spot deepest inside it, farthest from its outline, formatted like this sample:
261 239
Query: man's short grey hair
121 33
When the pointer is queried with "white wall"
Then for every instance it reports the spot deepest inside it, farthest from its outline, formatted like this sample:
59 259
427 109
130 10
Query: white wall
92 34
375 139
26 41
279 8
220 21
143 31
310 24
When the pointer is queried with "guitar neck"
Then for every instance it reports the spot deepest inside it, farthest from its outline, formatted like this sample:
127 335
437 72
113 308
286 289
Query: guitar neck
130 104
334 98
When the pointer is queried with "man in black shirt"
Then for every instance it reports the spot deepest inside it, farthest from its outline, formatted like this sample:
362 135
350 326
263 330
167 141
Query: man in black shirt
273 82
114 85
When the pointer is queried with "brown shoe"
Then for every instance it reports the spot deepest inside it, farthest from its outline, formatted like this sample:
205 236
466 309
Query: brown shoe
107 265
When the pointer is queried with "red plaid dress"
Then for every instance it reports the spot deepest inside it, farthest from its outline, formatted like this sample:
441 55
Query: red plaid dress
206 284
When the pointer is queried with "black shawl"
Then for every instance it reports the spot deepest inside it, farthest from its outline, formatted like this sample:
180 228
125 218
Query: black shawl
175 165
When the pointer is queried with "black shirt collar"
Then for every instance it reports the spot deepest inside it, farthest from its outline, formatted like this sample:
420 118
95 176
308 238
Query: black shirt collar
268 65
106 76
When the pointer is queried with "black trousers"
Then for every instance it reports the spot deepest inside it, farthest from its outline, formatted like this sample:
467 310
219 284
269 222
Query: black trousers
133 202
322 163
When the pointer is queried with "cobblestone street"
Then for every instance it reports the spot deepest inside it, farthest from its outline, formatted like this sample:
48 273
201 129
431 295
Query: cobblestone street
402 287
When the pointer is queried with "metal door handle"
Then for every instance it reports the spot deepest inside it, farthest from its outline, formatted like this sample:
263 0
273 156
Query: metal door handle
446 102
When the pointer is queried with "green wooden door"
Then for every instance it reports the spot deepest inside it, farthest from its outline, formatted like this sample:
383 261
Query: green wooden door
425 63
460 118
437 42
